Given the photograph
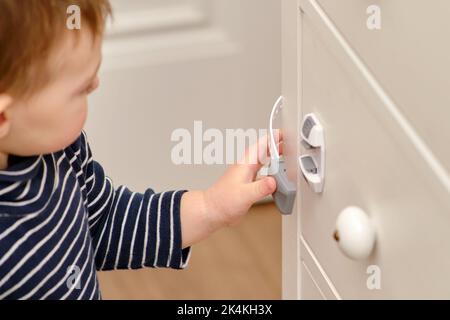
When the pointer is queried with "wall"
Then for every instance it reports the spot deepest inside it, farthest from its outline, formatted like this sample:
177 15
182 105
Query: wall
169 62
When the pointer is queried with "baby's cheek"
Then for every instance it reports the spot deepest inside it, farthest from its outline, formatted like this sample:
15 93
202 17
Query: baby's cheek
77 122
82 116
68 127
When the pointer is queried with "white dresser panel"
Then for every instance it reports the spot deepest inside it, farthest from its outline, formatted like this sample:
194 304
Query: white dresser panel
375 156
311 270
409 55
309 285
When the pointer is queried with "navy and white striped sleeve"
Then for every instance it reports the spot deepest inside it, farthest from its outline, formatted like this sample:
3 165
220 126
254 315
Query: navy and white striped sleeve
132 230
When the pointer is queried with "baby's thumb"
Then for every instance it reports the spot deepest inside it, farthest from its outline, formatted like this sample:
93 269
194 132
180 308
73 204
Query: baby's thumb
262 188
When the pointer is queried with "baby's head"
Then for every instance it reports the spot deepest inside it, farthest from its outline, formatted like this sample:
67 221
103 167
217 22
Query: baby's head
46 72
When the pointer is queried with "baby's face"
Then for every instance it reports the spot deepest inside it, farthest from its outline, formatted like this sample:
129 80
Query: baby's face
52 118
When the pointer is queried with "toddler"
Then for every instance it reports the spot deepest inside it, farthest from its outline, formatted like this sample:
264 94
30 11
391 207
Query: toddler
59 213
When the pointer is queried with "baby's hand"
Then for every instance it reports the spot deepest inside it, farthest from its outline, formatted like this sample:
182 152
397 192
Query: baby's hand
229 199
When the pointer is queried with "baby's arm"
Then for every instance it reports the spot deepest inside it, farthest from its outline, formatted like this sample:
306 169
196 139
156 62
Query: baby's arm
131 230
134 230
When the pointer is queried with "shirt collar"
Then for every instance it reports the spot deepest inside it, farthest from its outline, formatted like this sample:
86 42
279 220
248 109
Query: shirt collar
21 168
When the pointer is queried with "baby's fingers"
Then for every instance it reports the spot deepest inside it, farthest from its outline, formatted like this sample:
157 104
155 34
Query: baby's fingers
260 189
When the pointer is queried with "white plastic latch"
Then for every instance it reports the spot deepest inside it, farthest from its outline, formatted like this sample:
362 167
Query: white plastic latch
284 196
312 164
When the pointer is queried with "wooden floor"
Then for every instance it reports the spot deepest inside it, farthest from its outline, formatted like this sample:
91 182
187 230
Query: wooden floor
242 262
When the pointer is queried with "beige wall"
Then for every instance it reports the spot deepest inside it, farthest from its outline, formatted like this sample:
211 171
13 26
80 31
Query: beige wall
168 63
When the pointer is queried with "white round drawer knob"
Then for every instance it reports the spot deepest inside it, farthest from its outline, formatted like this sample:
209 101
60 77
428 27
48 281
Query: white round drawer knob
355 233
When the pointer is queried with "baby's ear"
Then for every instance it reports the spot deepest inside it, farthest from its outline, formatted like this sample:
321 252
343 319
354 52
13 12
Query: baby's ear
5 103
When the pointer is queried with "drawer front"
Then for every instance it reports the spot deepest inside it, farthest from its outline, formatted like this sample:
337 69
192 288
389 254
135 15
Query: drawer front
409 55
312 270
373 161
309 288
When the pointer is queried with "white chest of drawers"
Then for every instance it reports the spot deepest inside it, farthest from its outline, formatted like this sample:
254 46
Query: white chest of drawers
383 99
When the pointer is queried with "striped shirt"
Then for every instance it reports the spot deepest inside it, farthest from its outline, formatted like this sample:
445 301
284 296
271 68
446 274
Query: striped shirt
61 219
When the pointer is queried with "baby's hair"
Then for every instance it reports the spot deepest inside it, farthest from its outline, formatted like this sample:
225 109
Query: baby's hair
30 29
